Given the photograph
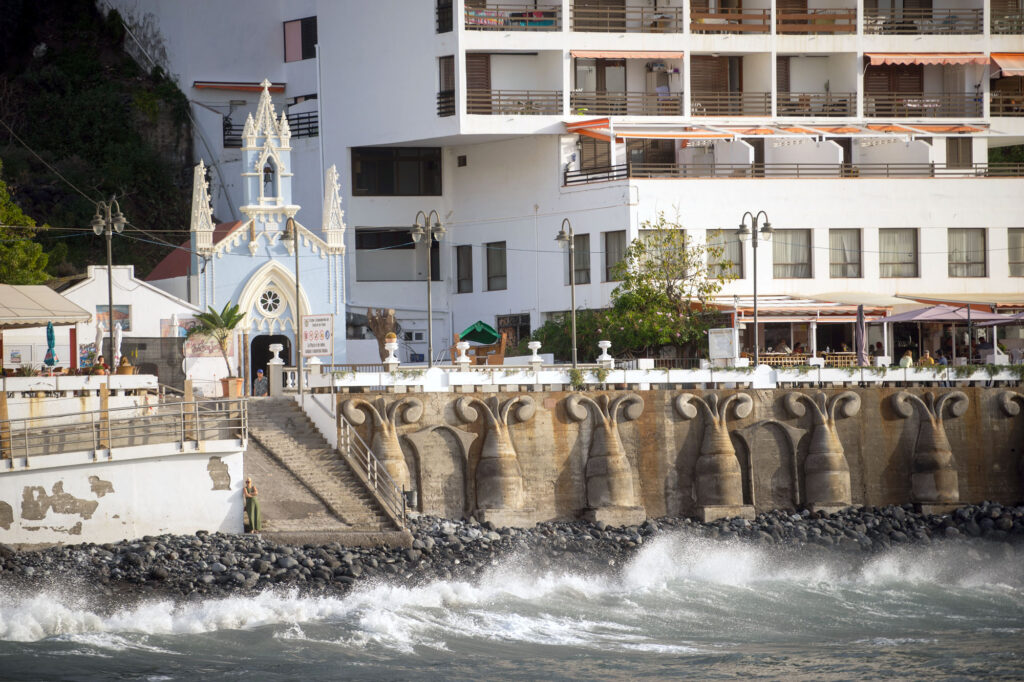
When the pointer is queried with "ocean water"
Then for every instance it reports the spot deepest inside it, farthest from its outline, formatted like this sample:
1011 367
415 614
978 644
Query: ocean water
683 607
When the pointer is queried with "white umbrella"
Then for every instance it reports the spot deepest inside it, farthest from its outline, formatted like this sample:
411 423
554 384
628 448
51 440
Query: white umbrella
117 343
99 342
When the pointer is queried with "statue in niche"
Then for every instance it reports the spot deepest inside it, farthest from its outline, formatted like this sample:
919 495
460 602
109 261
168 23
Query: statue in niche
933 477
719 481
499 479
609 476
386 419
826 471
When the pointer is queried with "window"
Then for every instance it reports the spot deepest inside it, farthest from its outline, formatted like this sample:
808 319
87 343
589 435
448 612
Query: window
791 250
959 152
967 252
446 86
844 253
1016 239
514 327
581 266
444 16
897 255
300 39
496 267
396 171
614 252
464 268
383 238
732 252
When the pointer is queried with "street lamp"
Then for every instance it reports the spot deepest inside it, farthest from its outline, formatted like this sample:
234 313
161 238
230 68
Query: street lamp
432 229
752 232
569 239
109 219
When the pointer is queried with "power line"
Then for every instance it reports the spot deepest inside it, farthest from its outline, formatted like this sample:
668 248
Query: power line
43 161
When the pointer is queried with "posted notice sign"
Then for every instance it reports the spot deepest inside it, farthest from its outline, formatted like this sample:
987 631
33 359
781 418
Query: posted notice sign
317 335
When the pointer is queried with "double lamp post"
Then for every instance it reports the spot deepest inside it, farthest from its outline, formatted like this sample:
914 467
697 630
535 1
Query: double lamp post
431 228
109 219
756 232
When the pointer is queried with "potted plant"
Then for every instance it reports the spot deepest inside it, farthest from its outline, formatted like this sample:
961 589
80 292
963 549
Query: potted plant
221 326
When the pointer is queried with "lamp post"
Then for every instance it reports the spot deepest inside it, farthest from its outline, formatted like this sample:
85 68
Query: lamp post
109 219
298 308
569 239
432 229
752 232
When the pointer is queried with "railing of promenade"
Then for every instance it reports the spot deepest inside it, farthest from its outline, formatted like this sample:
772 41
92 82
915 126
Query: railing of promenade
109 430
370 469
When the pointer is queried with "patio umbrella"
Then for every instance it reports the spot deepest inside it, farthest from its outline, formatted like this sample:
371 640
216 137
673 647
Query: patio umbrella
99 342
51 358
860 338
941 313
1006 319
117 344
478 332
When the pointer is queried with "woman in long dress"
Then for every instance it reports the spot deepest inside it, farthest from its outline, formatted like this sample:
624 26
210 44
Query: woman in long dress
252 507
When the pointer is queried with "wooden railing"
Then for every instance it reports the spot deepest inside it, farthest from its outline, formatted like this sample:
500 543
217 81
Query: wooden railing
817 104
626 104
746 20
446 103
522 102
922 104
731 103
1007 104
514 18
627 20
892 21
816 21
301 125
791 170
1005 23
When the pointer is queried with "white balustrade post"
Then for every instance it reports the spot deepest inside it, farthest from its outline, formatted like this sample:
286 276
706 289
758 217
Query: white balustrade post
535 360
606 361
462 360
274 368
391 362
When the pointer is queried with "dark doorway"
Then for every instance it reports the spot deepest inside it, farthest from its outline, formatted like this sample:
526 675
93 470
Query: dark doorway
260 354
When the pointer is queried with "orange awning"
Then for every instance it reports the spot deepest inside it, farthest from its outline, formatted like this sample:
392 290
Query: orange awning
236 86
948 129
1009 63
927 58
624 54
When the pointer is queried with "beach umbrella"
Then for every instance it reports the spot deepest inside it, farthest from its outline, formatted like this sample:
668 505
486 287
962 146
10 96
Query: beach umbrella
51 358
99 342
117 343
860 338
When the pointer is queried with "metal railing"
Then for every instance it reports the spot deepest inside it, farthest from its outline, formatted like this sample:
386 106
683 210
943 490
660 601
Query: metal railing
626 104
519 102
446 103
727 20
627 19
816 21
1008 23
514 18
123 427
816 104
731 103
372 472
791 170
904 21
922 104
301 125
1007 104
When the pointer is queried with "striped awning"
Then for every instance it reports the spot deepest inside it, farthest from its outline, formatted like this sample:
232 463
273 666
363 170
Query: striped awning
1009 63
926 58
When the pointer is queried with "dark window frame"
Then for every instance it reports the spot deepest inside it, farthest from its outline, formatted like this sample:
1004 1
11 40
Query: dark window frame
495 278
377 171
464 270
307 37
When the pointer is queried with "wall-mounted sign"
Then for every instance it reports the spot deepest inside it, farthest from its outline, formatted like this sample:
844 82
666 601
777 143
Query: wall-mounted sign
723 344
317 335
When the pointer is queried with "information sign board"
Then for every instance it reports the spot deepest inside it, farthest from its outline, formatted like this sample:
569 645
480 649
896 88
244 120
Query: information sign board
317 335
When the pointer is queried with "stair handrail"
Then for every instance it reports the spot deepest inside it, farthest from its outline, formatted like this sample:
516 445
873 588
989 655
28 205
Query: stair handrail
372 471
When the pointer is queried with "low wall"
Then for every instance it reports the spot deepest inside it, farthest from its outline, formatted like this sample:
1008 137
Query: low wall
442 445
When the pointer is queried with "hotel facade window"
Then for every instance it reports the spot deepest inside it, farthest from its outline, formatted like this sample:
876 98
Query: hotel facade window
844 253
614 252
732 251
396 171
898 253
300 39
1016 244
581 266
967 254
464 268
791 251
497 268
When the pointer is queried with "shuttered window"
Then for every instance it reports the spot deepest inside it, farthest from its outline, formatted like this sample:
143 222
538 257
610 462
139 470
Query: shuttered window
782 74
594 153
959 152
907 78
709 74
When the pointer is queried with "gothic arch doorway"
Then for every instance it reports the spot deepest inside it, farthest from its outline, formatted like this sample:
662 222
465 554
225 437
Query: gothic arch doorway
260 354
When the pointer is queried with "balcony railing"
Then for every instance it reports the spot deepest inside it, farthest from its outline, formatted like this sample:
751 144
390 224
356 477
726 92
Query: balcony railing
892 21
732 103
446 103
817 104
746 20
513 18
922 105
301 125
518 102
816 21
791 170
627 20
1011 23
626 104
1007 104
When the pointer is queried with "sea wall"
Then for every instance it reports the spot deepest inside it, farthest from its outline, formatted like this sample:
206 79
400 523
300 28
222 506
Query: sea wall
550 455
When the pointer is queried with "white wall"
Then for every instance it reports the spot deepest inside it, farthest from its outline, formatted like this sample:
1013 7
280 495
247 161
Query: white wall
757 72
527 71
891 151
803 152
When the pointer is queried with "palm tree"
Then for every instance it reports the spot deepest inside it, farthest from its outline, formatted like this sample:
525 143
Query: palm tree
219 327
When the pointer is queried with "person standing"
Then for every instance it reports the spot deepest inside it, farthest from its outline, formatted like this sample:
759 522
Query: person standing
252 507
260 387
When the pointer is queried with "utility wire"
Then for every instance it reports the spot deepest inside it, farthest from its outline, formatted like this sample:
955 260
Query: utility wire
43 161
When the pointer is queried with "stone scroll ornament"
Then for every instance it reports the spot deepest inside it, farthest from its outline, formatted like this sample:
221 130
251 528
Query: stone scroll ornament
719 481
933 476
386 419
826 471
499 479
608 473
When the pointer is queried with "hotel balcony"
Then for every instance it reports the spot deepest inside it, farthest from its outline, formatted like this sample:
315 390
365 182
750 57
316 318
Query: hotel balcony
816 104
644 84
591 17
731 103
813 20
754 17
506 83
483 16
515 102
929 21
922 105
817 86
1007 21
626 104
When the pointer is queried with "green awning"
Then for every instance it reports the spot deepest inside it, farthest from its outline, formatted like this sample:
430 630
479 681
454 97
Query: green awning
478 332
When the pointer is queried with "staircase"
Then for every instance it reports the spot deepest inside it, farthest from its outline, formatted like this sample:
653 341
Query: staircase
281 427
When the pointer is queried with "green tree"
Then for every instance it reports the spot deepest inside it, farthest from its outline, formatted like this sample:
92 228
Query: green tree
22 260
219 326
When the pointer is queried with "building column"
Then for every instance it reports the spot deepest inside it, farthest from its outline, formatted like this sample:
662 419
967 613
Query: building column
812 333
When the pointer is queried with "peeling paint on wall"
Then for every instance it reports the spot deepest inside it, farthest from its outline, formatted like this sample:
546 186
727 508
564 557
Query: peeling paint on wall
35 503
73 530
6 515
100 487
219 474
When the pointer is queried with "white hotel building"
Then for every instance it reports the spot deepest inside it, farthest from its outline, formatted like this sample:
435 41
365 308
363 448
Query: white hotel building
861 127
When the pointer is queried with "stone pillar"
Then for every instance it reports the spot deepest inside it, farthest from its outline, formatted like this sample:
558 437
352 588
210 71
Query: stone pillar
275 366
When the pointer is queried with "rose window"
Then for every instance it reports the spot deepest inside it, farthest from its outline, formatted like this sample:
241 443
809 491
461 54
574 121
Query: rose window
270 302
